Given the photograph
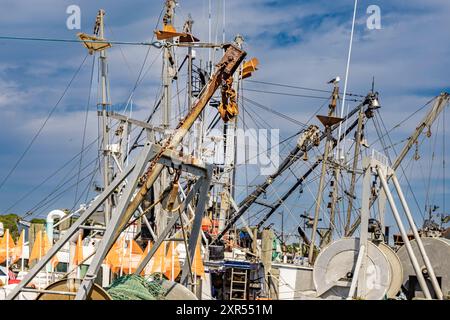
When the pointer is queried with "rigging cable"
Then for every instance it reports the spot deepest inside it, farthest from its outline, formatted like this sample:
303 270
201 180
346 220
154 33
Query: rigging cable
398 125
281 115
122 53
26 195
66 179
289 94
265 125
299 87
137 83
292 136
433 156
400 166
5 179
347 71
443 165
86 191
155 44
245 149
50 202
86 114
139 79
254 120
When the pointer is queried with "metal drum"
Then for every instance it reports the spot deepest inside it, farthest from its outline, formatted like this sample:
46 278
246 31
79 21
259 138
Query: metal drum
438 251
396 270
176 291
71 286
334 269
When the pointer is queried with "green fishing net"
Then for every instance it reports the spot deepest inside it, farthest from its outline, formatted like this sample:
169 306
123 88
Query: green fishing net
134 287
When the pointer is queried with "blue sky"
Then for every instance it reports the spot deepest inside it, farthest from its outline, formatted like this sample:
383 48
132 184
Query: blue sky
301 43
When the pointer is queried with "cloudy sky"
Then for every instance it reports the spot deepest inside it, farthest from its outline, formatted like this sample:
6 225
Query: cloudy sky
299 43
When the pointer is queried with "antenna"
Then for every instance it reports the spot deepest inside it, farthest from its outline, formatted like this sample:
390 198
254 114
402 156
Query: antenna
209 66
339 149
223 20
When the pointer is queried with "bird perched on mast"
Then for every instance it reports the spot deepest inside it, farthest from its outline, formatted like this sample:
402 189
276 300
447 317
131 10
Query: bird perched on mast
335 95
335 80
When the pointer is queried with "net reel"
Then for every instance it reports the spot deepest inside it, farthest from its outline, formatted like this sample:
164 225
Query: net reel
335 266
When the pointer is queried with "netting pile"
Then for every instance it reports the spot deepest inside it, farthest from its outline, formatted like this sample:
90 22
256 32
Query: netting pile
134 287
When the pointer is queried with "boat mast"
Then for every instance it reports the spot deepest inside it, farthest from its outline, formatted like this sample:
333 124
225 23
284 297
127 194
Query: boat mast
188 30
210 50
107 174
351 192
168 74
167 66
319 194
327 121
336 174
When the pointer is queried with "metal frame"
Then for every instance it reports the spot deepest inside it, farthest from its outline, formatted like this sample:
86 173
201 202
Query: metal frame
130 201
170 159
113 228
146 153
201 186
422 251
439 104
384 172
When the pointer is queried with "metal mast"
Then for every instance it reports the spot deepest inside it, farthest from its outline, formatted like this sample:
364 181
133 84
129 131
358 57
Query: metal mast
351 191
335 182
188 29
327 121
167 65
107 174
168 74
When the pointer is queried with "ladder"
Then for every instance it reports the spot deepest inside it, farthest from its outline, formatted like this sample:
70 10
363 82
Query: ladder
238 284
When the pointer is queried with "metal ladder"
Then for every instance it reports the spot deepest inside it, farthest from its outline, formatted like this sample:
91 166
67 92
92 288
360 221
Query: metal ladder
238 278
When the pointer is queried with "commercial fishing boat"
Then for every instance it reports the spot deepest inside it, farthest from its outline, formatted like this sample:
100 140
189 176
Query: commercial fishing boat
176 216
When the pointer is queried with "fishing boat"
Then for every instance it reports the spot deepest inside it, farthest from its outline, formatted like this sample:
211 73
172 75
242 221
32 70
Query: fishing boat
177 217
